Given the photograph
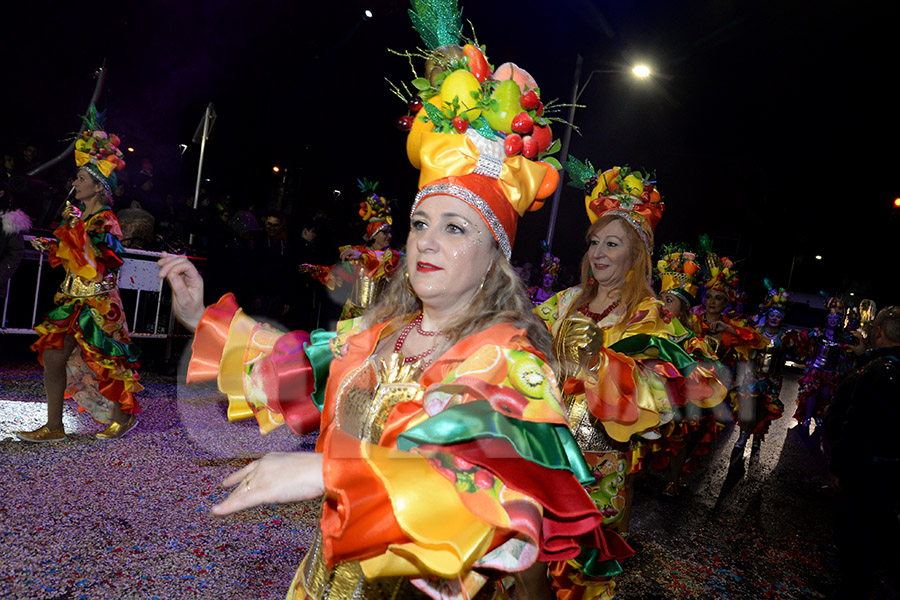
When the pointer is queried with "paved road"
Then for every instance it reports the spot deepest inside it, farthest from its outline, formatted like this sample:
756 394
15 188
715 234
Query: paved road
130 518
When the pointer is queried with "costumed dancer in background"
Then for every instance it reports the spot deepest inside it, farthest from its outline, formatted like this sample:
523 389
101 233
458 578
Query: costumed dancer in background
622 368
732 339
829 362
367 267
763 404
679 273
84 344
445 462
549 277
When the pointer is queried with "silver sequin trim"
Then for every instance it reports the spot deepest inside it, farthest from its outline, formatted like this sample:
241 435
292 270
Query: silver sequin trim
473 200
648 243
490 155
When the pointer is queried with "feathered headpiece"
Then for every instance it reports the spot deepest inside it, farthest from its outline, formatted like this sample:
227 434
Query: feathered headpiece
476 133
719 273
776 298
98 152
374 209
630 195
678 271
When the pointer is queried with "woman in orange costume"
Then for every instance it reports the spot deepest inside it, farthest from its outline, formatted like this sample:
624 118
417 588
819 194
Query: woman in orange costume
623 369
444 459
84 344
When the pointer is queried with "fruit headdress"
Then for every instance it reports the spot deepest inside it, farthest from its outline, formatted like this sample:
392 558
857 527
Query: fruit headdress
833 304
679 270
628 194
476 133
776 298
375 210
549 263
97 152
719 273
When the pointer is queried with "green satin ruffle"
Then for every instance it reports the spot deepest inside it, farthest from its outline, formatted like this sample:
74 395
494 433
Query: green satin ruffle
93 334
319 353
593 567
666 350
547 444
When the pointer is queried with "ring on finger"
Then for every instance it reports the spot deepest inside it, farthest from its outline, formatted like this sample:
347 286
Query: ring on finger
247 483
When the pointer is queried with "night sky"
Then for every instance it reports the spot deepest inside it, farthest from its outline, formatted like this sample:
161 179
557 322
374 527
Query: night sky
770 125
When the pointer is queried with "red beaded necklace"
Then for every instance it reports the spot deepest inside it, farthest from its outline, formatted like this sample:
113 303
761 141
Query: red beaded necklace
417 325
597 317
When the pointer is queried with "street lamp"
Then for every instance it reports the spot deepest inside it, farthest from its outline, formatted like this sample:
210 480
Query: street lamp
640 71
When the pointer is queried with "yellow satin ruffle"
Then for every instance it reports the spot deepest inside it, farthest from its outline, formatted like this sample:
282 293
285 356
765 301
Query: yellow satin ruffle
444 547
444 155
246 344
670 283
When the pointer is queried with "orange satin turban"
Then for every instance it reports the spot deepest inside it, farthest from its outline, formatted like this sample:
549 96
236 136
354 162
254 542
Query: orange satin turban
478 172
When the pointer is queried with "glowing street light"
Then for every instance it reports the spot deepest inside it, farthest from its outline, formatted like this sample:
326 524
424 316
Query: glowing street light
130 149
818 257
641 71
367 14
276 169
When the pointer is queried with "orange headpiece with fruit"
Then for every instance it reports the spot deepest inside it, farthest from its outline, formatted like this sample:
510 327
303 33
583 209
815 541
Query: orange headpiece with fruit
719 273
679 272
98 152
776 298
628 194
477 134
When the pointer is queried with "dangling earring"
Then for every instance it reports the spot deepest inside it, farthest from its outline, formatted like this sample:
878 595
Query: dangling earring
408 286
591 280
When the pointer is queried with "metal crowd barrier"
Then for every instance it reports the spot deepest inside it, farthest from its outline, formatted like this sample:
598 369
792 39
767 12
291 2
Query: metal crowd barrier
145 298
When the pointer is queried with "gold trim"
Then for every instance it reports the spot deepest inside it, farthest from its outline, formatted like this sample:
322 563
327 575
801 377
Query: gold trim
78 287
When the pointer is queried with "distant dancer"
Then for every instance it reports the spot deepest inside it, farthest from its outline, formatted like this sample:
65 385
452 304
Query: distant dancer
84 343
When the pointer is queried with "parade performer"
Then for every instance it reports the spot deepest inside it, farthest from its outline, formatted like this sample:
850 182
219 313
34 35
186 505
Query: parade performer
549 277
444 458
367 267
623 371
84 344
679 272
830 360
763 404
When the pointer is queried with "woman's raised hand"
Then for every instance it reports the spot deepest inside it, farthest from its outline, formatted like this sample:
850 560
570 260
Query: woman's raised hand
278 477
187 288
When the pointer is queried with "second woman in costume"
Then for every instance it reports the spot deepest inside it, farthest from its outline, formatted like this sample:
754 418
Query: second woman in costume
623 371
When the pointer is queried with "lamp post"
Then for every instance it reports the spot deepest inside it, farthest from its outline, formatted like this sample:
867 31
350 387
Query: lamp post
640 71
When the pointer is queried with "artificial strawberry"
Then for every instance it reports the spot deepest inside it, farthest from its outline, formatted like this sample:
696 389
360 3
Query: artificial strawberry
543 135
529 100
529 147
460 124
513 144
522 123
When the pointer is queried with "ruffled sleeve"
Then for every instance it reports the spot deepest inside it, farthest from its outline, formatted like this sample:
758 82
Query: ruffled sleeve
274 376
642 371
743 341
482 474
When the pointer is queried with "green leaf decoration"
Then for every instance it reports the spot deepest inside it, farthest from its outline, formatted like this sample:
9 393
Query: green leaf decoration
554 147
435 114
482 126
550 160
438 22
579 172
421 83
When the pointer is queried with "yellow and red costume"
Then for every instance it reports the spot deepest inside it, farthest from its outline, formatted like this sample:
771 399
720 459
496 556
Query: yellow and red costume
102 371
436 481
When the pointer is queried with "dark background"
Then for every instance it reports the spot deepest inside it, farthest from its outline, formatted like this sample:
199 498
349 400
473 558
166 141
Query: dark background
770 125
